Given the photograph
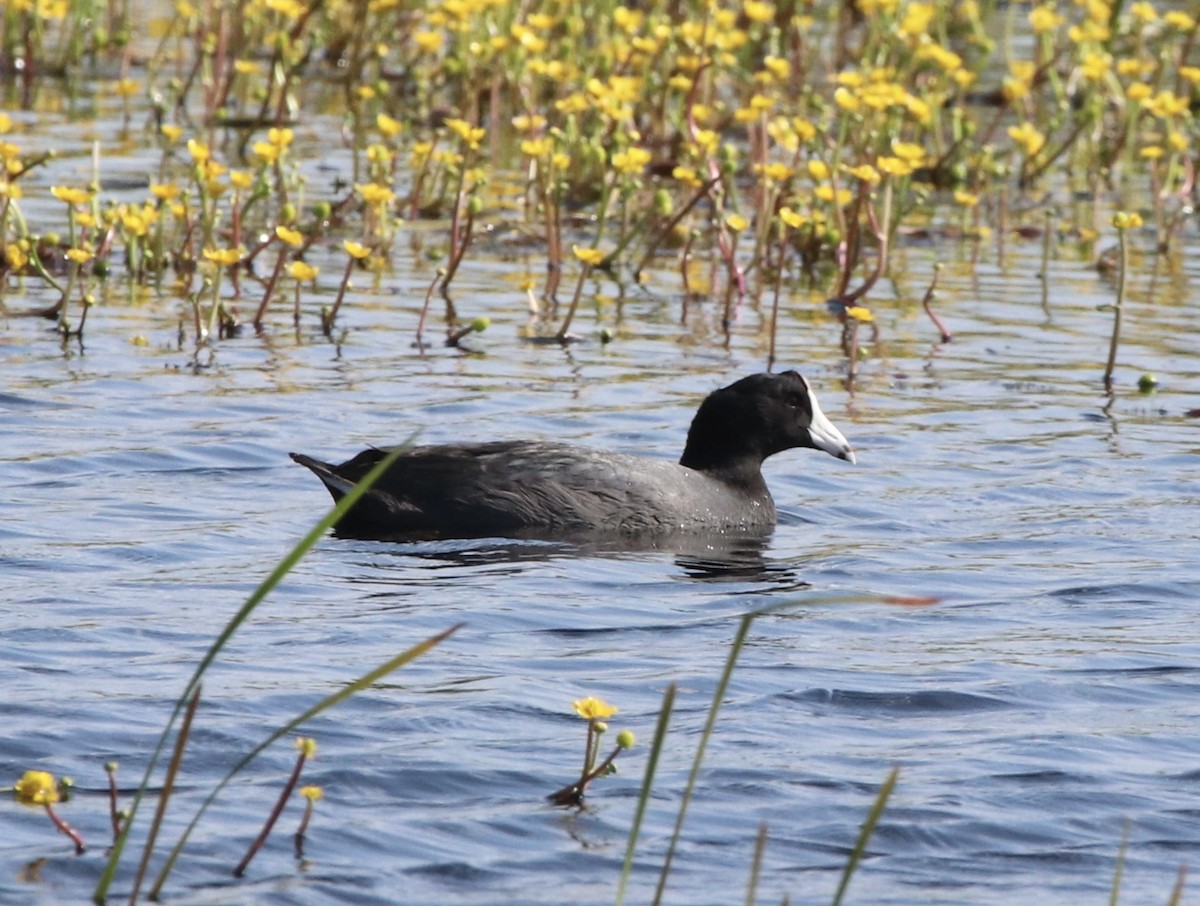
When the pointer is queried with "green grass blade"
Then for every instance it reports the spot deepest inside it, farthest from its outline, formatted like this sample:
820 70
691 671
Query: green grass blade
719 696
1118 872
864 835
1177 890
285 566
760 846
660 736
323 705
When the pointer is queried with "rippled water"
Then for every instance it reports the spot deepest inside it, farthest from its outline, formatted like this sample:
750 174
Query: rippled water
1046 701
1000 599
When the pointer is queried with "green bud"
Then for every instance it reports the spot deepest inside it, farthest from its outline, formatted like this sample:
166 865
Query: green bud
322 210
663 204
480 324
287 214
1147 383
475 206
625 739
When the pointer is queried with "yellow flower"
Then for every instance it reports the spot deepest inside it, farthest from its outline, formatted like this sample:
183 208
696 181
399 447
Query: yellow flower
303 271
79 256
15 256
846 100
841 198
5 122
71 196
777 67
356 249
909 151
791 218
429 41
893 166
1127 220
166 191
687 176
917 17
537 147
965 198
241 179
631 162
388 126
858 313
280 137
776 172
266 152
1044 18
1095 65
373 193
818 170
708 140
866 173
1144 12
592 708
199 151
294 238
1152 152
36 788
736 222
1179 20
1028 137
311 793
758 11
247 67
306 744
224 257
590 257
1138 91
471 135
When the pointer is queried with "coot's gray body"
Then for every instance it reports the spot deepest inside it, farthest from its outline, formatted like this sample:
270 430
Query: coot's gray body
548 489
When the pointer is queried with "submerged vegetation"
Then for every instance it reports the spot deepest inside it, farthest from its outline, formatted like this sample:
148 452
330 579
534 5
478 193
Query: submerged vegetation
771 151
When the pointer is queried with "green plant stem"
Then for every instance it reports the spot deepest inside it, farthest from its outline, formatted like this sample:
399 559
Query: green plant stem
760 846
718 696
864 835
660 735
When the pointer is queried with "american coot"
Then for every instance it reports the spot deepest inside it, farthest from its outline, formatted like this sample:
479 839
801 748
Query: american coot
545 489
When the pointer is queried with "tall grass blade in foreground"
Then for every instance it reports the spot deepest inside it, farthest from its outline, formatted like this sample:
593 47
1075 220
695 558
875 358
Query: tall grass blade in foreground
660 735
718 696
285 566
868 828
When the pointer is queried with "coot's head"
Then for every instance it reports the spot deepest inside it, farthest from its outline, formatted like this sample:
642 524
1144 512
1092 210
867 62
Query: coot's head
739 426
